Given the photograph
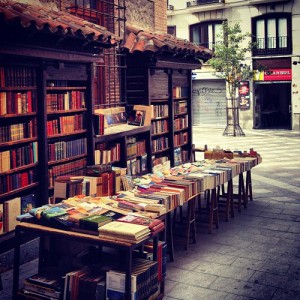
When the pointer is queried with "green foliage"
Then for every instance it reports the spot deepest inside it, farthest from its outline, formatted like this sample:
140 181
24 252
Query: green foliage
229 56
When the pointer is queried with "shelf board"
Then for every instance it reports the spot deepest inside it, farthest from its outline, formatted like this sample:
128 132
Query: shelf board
61 112
65 88
18 169
180 98
180 114
182 129
66 134
159 118
18 88
26 115
112 133
159 100
65 160
158 134
19 190
161 151
23 141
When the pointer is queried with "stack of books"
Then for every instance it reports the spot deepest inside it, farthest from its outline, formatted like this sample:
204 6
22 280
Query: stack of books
124 232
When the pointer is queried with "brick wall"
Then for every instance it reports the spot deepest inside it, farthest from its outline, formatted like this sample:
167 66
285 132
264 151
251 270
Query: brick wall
160 15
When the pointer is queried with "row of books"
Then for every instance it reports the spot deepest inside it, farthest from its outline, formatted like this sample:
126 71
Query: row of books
144 281
88 283
137 165
181 123
96 182
17 76
107 153
160 126
18 157
65 124
180 91
10 209
65 101
135 148
117 218
10 182
19 131
17 102
159 111
66 149
180 107
181 138
160 144
76 167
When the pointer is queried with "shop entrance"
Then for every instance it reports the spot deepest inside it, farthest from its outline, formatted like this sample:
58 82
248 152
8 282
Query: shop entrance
272 105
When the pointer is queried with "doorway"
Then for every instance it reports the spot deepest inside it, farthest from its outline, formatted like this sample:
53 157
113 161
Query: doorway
273 105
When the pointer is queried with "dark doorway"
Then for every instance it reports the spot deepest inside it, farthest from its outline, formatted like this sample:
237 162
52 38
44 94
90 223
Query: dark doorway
273 105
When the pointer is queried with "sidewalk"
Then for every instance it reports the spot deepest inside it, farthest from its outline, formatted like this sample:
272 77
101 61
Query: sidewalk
256 255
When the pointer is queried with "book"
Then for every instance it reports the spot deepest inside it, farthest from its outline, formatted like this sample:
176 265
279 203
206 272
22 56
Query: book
94 221
124 229
98 122
28 202
133 219
1 218
12 209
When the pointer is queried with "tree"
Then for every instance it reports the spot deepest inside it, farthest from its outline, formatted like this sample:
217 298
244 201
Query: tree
228 63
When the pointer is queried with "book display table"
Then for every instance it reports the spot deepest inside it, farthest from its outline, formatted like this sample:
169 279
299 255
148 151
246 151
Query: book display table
45 231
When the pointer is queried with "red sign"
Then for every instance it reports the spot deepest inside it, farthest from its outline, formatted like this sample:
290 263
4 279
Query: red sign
278 74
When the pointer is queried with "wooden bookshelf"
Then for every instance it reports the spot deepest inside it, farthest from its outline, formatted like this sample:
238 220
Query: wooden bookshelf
167 88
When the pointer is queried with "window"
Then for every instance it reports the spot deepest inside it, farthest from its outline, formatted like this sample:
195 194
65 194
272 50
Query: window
272 34
172 30
206 33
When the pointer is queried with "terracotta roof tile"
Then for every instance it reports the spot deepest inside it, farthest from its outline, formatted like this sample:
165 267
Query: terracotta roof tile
44 19
143 41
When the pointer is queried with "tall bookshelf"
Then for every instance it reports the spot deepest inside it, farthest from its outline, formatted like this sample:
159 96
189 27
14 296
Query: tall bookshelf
66 110
166 86
19 163
45 105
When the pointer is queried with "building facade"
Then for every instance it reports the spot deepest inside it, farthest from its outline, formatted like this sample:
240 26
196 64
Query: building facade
272 96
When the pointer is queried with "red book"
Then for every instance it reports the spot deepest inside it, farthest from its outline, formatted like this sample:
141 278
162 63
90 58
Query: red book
153 224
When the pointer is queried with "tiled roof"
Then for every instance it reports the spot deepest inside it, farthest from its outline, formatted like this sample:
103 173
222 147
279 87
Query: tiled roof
64 24
138 40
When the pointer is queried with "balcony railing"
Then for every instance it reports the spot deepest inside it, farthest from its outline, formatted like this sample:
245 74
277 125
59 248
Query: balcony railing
272 46
202 2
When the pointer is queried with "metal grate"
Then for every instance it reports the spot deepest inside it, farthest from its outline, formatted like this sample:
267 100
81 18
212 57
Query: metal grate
107 79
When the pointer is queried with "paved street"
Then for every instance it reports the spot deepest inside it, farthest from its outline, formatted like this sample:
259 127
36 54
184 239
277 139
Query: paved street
256 255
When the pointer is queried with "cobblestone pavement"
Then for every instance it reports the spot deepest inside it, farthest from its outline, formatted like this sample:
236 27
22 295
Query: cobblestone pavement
256 255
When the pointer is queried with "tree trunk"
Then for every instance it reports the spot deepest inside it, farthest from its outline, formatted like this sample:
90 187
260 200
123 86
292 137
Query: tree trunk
232 113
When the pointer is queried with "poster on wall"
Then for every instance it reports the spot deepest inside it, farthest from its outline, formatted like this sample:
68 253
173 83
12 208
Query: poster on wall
244 95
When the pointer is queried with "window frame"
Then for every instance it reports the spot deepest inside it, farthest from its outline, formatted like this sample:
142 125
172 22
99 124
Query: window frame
203 26
271 45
